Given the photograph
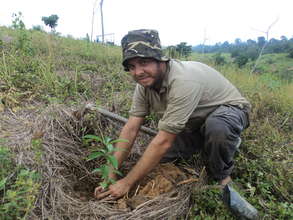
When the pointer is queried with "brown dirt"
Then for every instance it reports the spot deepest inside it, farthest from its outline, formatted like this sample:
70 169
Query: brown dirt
163 179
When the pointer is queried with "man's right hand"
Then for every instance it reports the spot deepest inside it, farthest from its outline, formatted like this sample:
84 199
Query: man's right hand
100 189
115 191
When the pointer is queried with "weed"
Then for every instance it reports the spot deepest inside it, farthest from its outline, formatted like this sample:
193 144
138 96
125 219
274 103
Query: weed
219 59
36 145
17 22
18 188
214 207
19 199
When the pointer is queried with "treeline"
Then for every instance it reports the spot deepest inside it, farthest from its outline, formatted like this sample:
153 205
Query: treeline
250 48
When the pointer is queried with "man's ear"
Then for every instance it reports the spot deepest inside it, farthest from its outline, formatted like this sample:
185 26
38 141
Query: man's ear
163 66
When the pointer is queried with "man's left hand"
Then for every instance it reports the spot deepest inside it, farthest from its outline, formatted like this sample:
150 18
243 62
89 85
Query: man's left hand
115 191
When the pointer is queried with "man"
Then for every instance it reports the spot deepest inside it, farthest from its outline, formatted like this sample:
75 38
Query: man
197 105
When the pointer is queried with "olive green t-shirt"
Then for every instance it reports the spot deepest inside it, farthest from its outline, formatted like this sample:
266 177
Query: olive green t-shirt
190 91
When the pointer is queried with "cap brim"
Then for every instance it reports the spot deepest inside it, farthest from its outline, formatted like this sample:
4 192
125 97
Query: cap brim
124 62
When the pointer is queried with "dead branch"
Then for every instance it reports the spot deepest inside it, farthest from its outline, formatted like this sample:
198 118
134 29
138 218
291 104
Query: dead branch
263 47
91 107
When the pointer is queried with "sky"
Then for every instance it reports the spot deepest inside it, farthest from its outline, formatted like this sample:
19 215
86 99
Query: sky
191 21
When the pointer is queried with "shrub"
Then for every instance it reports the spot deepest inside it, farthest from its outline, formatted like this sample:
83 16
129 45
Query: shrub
290 53
241 60
18 188
219 59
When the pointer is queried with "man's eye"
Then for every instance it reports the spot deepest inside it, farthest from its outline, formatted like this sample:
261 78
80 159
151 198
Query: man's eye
143 61
130 67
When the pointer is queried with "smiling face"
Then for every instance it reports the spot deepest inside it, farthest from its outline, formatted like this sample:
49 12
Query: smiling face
146 71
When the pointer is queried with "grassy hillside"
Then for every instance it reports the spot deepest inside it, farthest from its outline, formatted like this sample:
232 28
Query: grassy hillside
37 69
278 66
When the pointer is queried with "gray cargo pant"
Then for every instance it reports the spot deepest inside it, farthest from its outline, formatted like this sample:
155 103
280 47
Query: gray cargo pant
216 139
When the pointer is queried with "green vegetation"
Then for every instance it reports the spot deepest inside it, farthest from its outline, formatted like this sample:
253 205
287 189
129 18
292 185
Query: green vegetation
180 50
250 47
18 188
104 152
249 54
45 68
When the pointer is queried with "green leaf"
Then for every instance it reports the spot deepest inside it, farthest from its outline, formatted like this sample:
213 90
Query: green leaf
105 170
97 170
113 161
103 151
94 155
110 148
118 172
107 140
112 181
104 185
86 141
2 183
119 140
93 137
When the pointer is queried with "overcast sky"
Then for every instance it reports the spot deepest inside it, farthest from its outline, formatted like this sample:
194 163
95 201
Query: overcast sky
177 21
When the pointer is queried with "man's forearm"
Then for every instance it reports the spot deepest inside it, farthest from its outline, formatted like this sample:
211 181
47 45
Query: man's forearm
129 133
123 148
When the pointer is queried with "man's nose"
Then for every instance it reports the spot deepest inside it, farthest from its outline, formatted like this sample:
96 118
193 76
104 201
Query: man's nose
138 70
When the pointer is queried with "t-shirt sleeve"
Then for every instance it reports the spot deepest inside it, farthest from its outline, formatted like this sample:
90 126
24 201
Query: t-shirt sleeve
183 98
139 107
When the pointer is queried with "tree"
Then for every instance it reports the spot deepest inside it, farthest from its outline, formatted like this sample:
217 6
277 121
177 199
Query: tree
17 22
284 38
252 53
237 41
51 21
219 59
241 60
172 52
290 53
250 42
226 46
37 28
235 52
183 49
261 41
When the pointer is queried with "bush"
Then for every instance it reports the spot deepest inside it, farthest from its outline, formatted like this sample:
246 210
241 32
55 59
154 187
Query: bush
252 53
37 28
290 53
241 60
235 53
219 59
18 188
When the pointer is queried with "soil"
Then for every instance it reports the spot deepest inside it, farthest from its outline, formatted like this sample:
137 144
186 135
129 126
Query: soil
163 179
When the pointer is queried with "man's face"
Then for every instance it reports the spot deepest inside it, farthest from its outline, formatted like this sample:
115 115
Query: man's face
146 71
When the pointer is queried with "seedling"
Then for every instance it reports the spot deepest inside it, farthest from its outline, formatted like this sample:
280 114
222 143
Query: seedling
105 152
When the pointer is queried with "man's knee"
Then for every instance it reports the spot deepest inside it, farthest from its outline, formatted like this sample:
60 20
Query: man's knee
220 141
216 130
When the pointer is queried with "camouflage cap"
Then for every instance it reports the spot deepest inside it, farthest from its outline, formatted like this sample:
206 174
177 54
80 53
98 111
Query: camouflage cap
142 43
